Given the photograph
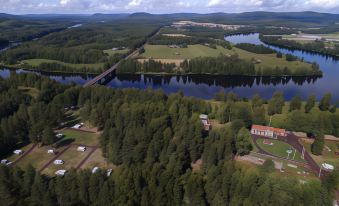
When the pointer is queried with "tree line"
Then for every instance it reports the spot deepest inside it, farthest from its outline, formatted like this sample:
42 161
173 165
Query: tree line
258 49
314 46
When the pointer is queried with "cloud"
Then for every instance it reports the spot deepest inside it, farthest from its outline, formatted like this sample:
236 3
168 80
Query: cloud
164 6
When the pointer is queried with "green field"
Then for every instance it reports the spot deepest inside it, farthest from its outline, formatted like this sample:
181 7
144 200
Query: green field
193 51
37 62
269 60
164 52
81 137
110 52
279 149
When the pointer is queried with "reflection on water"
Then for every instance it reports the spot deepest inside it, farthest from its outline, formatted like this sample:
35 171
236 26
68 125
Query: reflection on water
206 86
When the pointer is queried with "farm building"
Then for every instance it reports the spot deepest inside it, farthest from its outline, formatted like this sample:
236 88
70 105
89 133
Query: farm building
268 131
205 121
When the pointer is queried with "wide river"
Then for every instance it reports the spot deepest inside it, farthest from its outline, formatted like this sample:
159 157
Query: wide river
205 86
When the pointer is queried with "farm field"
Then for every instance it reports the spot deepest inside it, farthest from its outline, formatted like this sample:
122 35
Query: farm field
110 52
164 52
279 149
37 62
169 55
80 137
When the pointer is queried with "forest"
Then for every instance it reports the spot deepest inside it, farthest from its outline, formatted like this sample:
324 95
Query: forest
155 138
314 46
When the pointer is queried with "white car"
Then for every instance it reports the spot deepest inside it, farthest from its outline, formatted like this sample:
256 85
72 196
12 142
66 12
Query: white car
109 172
328 166
18 152
95 169
60 172
58 162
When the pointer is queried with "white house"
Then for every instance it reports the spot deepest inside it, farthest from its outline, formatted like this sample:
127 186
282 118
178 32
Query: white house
60 172
109 172
81 149
95 169
18 152
58 162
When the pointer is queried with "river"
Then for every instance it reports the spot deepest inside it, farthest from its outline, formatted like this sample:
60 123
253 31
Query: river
206 86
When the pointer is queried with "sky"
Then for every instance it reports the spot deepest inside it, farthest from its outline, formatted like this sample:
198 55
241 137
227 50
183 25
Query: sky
163 6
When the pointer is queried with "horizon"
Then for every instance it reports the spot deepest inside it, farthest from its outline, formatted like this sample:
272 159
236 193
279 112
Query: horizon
173 13
24 7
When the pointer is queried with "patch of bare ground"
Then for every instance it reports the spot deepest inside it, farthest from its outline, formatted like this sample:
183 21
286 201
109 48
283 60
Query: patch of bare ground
196 166
97 160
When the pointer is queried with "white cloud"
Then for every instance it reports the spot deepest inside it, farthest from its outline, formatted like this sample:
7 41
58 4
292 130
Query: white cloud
164 6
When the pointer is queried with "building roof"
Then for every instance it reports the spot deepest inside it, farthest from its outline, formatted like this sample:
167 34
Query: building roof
260 127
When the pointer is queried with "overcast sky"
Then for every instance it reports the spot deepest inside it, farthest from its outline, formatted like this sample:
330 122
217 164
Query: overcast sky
163 6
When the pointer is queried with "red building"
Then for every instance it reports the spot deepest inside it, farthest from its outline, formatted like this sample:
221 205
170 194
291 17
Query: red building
268 131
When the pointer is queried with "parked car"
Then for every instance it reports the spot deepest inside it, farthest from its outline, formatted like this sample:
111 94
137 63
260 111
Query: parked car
58 162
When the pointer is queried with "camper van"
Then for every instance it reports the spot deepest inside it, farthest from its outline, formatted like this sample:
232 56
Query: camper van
58 162
81 149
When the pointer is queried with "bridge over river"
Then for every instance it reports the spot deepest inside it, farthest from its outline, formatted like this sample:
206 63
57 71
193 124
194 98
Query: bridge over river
106 75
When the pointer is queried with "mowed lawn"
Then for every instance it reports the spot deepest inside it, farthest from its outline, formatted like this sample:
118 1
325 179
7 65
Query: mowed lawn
81 137
192 51
279 149
71 158
37 158
37 62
